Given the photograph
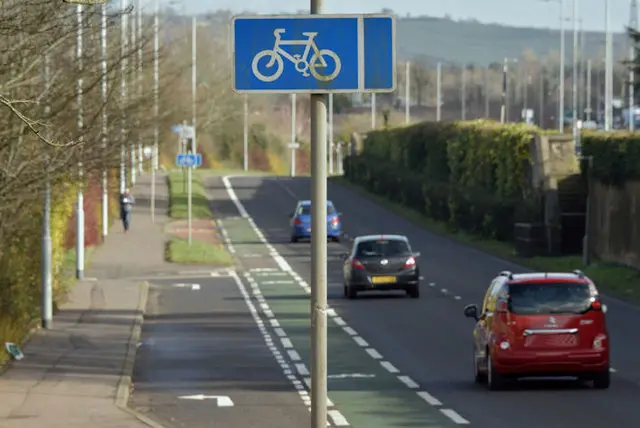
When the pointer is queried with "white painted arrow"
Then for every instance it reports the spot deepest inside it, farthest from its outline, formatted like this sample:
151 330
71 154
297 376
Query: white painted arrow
222 400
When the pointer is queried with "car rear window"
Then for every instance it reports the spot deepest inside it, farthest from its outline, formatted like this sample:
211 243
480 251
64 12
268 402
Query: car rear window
383 248
306 210
549 298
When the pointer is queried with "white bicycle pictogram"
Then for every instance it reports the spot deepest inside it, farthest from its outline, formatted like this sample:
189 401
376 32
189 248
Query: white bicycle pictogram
300 62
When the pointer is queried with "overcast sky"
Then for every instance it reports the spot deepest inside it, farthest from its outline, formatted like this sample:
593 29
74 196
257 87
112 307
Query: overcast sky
536 13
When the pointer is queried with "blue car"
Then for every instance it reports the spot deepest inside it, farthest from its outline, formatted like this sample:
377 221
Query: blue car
301 222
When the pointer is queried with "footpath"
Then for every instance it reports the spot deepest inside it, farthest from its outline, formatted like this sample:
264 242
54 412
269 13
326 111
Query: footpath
78 374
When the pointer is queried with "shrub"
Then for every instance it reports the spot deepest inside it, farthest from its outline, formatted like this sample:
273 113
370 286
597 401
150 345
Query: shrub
616 155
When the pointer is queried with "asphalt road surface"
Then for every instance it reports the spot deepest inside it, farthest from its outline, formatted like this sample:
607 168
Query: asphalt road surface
400 362
203 340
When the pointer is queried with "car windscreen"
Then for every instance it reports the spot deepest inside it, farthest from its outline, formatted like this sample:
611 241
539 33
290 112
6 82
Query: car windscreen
306 210
383 248
549 298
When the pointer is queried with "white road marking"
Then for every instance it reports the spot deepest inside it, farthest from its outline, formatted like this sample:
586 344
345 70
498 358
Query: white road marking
280 332
374 354
293 355
277 282
429 398
444 291
454 416
339 321
263 270
274 323
360 341
286 342
302 369
612 370
337 418
408 381
389 367
195 287
458 298
284 266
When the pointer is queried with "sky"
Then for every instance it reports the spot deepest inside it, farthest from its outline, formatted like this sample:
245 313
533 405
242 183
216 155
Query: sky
521 13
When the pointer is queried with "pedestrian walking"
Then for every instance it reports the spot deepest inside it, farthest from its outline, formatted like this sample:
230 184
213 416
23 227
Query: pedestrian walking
127 201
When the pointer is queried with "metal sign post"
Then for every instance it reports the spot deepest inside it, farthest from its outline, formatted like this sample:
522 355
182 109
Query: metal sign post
189 161
344 54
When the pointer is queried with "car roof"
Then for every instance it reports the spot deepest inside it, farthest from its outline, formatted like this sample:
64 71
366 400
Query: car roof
542 277
379 237
308 202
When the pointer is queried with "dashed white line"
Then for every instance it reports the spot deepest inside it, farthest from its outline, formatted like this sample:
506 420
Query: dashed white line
274 323
432 284
374 354
339 321
293 355
337 418
286 342
360 341
429 398
454 416
389 367
350 331
302 369
409 382
280 332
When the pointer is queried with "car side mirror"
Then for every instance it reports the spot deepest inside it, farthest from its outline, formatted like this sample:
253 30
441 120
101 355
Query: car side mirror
471 311
416 254
345 256
291 215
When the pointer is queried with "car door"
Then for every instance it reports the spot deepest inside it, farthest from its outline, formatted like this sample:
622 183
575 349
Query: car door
346 267
293 217
484 324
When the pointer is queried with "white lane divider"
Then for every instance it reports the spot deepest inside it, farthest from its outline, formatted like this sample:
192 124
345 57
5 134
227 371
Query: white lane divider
284 266
334 415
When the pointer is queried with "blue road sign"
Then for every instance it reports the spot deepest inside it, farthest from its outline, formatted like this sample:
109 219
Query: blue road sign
314 53
188 160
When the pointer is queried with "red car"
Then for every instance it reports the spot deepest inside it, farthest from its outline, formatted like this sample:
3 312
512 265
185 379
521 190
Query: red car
540 325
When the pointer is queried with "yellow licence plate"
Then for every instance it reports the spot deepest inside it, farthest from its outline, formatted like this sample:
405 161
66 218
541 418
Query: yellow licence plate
383 279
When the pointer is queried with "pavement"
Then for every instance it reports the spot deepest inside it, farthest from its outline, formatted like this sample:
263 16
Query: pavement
77 374
395 361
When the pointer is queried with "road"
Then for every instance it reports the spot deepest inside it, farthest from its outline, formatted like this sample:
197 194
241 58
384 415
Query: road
204 340
413 358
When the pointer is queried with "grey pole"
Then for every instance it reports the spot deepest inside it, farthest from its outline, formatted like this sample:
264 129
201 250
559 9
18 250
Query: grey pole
588 111
294 105
318 308
80 206
608 77
373 111
562 68
503 106
154 155
194 80
632 78
574 80
331 134
132 145
487 97
407 94
463 93
189 201
47 279
123 95
542 91
103 78
246 132
140 92
439 92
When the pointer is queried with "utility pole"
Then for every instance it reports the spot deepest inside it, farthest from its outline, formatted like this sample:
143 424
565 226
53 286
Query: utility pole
156 77
574 80
633 24
487 95
562 68
47 274
318 301
294 105
105 130
331 134
541 122
503 106
608 74
194 80
588 110
246 132
133 77
373 111
123 95
464 93
407 93
439 92
140 89
80 206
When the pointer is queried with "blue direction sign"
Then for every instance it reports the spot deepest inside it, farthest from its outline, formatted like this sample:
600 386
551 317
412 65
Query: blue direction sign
314 53
188 160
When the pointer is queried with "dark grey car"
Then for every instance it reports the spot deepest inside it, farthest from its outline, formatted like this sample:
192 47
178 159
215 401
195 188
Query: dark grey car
381 263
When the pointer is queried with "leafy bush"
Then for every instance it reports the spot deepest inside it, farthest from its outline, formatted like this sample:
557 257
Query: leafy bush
616 155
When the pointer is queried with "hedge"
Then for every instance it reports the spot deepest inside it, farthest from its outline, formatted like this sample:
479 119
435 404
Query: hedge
616 155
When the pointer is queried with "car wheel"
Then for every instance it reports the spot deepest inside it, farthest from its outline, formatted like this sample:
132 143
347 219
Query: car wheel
336 239
344 291
294 239
495 380
351 293
478 376
602 380
414 292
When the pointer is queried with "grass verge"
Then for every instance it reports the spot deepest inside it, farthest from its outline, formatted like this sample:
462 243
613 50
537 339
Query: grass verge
199 252
178 196
615 280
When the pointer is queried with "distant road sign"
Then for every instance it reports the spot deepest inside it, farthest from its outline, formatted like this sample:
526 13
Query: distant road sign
188 160
314 53
294 145
186 131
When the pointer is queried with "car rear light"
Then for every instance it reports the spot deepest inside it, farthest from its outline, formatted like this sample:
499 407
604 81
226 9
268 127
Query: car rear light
411 262
596 305
334 220
504 345
502 305
297 221
599 341
355 263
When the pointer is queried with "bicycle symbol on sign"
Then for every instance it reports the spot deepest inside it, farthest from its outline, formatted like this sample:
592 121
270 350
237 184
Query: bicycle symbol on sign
301 62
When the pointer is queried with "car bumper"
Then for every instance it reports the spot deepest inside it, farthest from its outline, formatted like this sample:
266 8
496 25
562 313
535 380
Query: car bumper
553 363
364 282
305 232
